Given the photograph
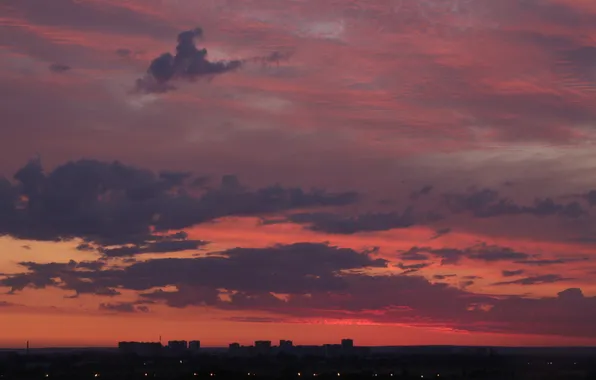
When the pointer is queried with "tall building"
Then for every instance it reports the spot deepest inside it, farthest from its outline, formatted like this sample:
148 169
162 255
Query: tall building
235 349
263 347
347 343
177 346
286 346
333 349
194 345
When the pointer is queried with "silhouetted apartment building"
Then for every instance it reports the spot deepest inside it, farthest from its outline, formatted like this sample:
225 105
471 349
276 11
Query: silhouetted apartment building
262 347
177 346
286 346
333 349
140 348
235 349
194 345
310 350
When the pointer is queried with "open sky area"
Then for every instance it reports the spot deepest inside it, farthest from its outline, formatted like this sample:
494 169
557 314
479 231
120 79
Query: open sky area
399 172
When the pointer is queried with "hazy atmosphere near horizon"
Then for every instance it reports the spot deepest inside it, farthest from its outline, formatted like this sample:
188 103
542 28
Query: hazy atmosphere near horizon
399 172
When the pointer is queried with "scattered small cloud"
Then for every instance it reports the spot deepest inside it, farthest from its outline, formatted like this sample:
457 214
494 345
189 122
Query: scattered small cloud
124 307
191 63
535 280
123 52
59 68
512 273
440 232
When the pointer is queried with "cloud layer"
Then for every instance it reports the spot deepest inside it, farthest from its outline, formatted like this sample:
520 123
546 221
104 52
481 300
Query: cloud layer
453 140
306 280
111 203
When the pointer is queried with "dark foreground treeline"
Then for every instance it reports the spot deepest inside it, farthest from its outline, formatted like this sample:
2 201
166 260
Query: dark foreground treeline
219 367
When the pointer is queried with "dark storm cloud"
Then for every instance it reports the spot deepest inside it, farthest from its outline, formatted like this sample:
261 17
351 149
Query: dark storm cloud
123 52
491 253
443 276
512 273
591 197
21 281
189 63
113 204
535 280
482 252
153 247
184 296
124 307
414 300
413 254
256 319
418 193
59 67
440 232
177 242
360 293
322 281
447 255
567 314
411 268
545 262
295 268
347 225
68 276
487 203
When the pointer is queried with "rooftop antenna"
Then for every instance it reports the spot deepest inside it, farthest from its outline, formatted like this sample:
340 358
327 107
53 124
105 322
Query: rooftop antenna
27 351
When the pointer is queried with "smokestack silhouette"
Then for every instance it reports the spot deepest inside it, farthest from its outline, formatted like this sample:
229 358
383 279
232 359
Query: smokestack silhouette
27 351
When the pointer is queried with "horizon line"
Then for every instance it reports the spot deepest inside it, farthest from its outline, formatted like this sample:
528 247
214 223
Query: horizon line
91 347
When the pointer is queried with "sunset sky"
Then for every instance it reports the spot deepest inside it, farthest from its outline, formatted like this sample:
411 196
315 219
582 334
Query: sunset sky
400 172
